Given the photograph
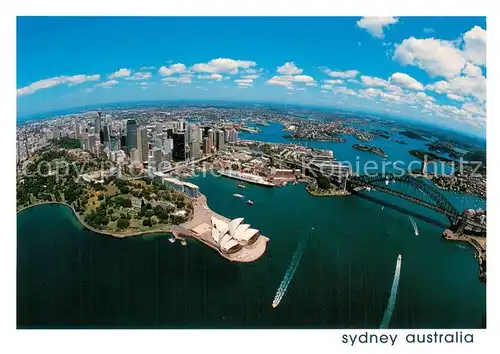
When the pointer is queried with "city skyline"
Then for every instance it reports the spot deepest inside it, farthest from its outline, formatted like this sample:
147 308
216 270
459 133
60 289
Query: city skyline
431 69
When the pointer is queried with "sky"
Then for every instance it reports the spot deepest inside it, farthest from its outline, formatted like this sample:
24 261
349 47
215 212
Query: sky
424 68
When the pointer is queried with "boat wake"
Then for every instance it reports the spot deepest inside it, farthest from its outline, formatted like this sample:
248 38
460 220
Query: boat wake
414 224
392 299
289 273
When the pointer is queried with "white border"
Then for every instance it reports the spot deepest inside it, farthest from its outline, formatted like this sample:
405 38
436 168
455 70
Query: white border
191 341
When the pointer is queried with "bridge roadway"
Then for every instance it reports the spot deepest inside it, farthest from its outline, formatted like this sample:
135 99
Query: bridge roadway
352 182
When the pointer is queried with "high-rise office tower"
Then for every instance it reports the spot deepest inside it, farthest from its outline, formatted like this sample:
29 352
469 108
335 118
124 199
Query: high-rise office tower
195 150
97 124
211 138
220 140
206 149
142 143
170 133
159 128
157 158
179 150
131 135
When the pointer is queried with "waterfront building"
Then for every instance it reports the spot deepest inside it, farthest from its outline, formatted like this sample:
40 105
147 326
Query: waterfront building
173 183
192 190
233 236
232 136
179 148
142 143
131 135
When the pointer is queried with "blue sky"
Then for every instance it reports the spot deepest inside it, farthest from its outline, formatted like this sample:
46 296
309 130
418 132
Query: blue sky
429 68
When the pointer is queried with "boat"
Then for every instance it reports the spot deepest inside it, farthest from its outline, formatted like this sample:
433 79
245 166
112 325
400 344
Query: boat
245 177
237 195
414 224
386 182
249 202
284 184
241 185
171 239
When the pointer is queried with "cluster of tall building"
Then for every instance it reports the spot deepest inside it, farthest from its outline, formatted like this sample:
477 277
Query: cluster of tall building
151 144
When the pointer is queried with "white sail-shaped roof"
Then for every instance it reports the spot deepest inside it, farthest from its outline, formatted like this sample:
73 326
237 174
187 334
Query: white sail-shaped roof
240 230
248 234
233 225
230 244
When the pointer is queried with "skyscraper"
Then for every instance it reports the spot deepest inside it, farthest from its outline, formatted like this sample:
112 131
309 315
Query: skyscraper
159 128
220 140
131 135
179 150
142 143
211 139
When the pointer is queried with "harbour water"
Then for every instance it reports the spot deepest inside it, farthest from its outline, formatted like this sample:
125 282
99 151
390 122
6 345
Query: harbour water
71 277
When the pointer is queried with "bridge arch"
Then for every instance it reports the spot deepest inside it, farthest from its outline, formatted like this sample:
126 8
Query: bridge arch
443 205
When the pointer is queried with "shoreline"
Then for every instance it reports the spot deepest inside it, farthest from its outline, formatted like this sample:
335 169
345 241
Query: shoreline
180 232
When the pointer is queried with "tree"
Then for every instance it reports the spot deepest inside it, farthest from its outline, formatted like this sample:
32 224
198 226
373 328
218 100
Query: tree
147 222
323 182
123 223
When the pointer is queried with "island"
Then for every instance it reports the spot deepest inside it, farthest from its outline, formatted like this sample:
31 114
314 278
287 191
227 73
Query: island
373 149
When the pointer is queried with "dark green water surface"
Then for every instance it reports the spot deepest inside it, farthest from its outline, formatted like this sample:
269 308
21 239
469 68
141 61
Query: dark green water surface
71 277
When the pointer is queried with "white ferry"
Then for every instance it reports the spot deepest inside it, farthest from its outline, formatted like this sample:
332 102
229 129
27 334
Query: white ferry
249 202
237 195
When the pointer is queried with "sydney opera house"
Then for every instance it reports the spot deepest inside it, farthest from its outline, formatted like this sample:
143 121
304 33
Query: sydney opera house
233 236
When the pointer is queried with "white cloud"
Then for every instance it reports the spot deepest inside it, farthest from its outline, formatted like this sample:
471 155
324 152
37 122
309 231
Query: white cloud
436 57
223 65
344 90
375 25
353 81
472 70
172 69
334 82
243 81
373 81
288 80
461 86
289 68
327 87
323 91
54 81
183 79
139 76
429 30
280 80
475 45
120 73
253 77
144 68
216 77
452 96
406 81
303 78
348 74
107 84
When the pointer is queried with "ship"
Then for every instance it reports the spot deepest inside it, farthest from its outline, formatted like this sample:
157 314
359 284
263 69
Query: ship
241 185
237 195
245 177
249 202
275 303
171 239
414 224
